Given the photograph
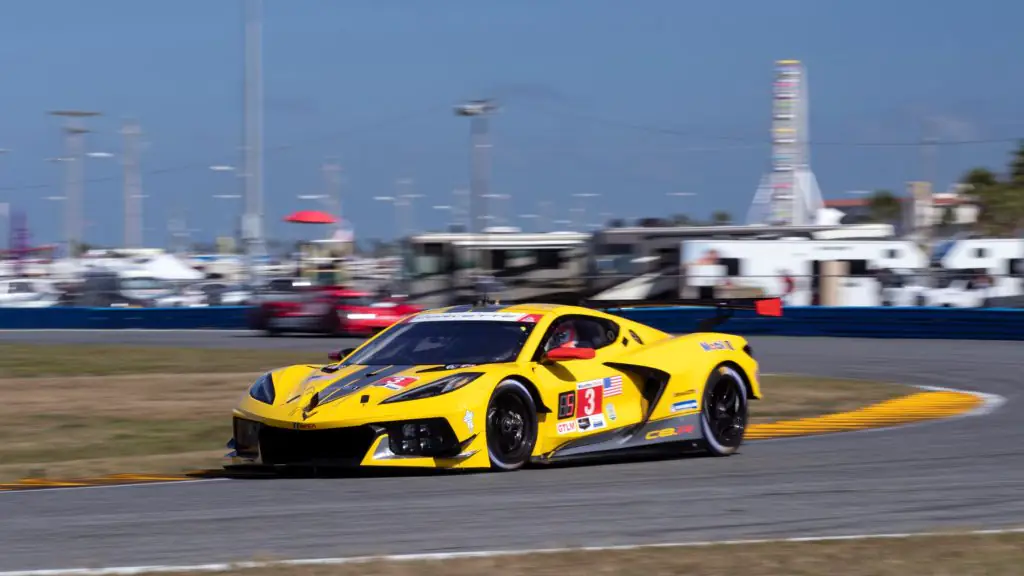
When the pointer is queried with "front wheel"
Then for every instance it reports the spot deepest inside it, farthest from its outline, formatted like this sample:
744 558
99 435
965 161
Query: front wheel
723 417
511 426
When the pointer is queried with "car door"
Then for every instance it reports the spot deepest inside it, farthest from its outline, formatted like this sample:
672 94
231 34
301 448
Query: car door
590 396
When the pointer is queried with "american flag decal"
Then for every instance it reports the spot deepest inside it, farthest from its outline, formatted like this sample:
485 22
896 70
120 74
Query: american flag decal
613 386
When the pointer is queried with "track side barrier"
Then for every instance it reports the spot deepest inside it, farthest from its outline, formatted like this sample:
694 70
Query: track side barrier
850 322
864 322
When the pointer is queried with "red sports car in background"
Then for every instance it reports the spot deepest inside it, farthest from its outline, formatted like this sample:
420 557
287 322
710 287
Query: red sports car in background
336 311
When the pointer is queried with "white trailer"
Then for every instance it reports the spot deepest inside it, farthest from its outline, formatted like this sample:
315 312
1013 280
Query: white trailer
975 269
802 271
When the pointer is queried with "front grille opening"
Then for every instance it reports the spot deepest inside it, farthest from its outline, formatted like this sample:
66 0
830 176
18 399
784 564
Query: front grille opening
332 446
246 436
431 437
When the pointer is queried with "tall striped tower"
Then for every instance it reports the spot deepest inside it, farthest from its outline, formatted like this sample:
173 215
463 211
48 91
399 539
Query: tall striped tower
788 195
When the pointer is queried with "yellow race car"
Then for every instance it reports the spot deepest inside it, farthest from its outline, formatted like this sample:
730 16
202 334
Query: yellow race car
492 386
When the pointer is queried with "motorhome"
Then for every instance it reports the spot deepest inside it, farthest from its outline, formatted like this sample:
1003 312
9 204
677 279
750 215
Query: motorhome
802 271
448 268
126 287
644 263
974 270
959 273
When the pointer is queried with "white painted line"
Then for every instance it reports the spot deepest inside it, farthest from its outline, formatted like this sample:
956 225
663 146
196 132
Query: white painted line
991 402
225 566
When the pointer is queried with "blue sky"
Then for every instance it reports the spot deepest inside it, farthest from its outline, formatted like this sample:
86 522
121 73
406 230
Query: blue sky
590 89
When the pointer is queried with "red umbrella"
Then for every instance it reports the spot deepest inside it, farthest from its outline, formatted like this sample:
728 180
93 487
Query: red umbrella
310 217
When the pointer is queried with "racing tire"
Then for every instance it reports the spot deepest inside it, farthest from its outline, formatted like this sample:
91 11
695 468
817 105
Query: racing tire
511 426
724 414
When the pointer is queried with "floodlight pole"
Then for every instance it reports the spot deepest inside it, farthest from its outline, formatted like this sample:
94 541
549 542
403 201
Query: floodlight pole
479 111
332 180
252 222
132 185
74 143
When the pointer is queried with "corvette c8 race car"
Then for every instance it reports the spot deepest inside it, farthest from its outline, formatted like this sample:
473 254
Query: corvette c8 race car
501 387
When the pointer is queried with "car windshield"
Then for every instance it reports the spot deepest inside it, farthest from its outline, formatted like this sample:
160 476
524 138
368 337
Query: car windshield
446 342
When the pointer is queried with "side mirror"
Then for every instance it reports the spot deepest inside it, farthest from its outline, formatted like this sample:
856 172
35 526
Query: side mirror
556 354
339 355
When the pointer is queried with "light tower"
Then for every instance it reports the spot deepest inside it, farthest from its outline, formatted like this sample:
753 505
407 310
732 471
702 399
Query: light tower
74 142
478 111
131 131
252 220
789 194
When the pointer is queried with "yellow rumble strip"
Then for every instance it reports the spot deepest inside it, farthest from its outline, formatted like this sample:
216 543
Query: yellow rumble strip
904 410
917 407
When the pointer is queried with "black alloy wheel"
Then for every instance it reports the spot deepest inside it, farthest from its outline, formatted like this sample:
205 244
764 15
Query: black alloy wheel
511 426
724 414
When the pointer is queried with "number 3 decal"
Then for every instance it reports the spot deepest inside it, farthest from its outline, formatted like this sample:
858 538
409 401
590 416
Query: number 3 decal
589 401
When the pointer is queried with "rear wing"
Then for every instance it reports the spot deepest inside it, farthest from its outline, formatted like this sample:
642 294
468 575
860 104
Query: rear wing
724 307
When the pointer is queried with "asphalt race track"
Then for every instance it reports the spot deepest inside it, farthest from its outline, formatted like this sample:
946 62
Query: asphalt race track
962 473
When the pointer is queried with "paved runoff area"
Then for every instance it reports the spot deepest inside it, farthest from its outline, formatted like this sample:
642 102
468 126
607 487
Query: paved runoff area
937 474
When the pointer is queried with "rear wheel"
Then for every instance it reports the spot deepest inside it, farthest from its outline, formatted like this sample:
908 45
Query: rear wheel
723 417
511 426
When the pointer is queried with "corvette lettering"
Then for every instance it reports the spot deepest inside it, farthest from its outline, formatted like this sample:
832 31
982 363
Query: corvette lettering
668 432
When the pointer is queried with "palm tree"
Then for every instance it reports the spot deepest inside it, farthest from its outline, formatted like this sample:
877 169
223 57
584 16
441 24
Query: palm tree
721 217
980 178
884 207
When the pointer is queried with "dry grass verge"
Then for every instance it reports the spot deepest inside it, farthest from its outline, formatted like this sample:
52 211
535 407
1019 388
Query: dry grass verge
32 360
73 426
959 555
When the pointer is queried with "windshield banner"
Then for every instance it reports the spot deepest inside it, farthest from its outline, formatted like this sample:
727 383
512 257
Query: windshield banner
478 316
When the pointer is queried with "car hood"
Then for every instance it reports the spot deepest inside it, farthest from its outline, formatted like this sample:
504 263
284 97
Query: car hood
309 386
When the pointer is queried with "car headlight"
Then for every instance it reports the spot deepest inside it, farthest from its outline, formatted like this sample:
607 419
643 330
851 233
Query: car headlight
436 388
263 389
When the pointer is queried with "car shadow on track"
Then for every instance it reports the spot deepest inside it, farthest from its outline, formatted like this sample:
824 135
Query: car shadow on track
311 472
